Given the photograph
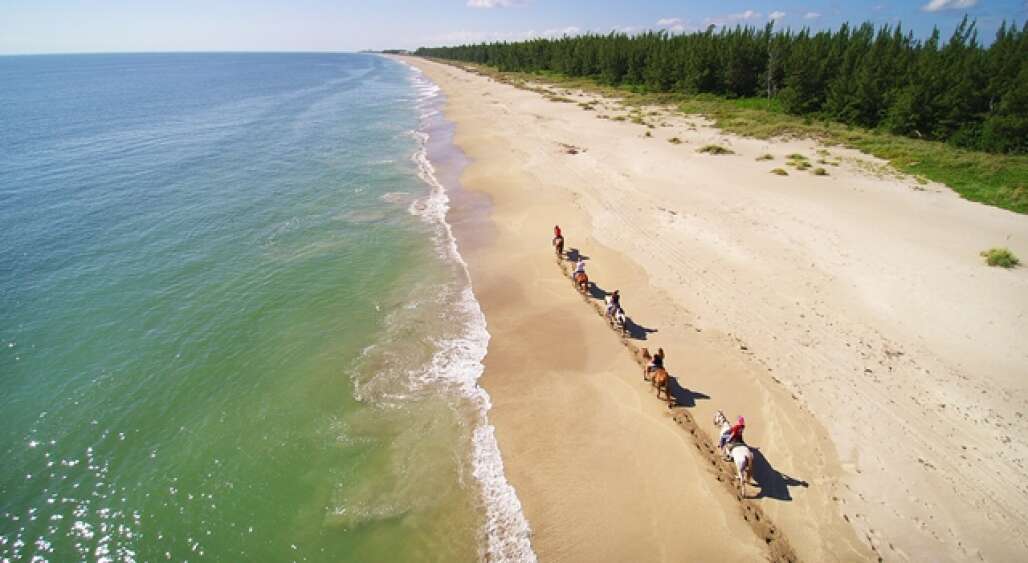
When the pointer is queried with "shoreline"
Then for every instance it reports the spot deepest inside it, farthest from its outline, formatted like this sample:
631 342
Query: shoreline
507 533
714 308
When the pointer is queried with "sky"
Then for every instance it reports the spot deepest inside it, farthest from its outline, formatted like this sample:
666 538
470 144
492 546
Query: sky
75 26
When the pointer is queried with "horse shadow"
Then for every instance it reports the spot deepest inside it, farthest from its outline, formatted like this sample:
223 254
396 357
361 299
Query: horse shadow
683 396
773 483
597 292
636 331
574 255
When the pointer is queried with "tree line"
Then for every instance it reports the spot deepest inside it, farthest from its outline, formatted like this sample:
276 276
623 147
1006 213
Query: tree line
958 91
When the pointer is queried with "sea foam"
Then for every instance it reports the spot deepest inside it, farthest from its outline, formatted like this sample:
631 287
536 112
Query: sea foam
458 360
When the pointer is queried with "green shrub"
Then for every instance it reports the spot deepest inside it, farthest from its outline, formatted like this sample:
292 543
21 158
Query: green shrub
675 141
1001 257
819 171
765 156
715 149
779 171
796 156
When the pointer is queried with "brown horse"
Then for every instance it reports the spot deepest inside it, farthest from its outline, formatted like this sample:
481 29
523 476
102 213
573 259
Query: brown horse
660 377
558 246
660 381
582 282
647 358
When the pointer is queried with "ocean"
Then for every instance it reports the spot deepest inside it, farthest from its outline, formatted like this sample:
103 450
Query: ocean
234 322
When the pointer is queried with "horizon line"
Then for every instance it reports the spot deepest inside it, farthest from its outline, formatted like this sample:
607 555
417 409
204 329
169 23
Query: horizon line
190 52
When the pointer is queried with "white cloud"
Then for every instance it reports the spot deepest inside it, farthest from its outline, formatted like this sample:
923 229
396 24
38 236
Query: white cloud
732 18
939 5
672 24
811 16
493 3
776 15
569 31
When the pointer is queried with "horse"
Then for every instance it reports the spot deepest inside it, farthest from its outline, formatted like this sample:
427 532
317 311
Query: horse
612 310
660 378
644 355
619 321
558 245
581 281
721 420
743 458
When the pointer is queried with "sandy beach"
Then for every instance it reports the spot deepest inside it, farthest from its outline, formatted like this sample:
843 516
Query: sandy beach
879 363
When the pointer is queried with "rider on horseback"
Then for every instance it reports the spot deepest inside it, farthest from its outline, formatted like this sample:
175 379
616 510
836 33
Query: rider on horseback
580 267
735 434
613 303
657 362
733 437
558 241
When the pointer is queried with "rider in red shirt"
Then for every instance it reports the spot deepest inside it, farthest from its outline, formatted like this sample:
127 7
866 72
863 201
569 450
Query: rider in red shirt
735 434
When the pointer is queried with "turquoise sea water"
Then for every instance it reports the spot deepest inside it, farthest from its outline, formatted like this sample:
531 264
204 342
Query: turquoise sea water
233 322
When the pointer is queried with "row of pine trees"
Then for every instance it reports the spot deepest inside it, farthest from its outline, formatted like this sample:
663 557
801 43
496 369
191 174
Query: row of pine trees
957 91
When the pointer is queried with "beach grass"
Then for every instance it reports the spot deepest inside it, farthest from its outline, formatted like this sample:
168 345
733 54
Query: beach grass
1000 257
675 141
715 149
1000 180
819 171
765 156
779 172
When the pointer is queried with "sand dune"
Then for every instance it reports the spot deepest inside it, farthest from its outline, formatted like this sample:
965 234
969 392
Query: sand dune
881 366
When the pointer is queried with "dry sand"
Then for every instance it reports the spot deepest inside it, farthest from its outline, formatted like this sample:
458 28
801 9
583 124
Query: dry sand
880 364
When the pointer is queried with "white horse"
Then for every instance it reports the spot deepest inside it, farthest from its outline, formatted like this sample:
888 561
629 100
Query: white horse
609 308
743 458
739 453
726 427
620 320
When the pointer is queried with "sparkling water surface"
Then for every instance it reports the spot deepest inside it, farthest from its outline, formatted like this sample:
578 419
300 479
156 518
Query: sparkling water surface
229 327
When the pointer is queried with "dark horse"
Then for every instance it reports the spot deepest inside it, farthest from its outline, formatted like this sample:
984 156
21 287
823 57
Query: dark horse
558 245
